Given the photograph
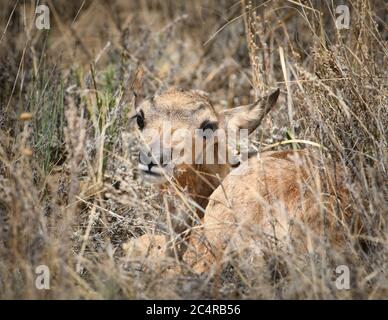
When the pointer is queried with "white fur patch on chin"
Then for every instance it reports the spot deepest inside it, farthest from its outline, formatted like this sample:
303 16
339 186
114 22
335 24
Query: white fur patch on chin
151 179
156 176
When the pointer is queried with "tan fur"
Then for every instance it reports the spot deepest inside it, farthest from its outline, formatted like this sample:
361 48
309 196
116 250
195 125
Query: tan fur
185 110
282 195
188 109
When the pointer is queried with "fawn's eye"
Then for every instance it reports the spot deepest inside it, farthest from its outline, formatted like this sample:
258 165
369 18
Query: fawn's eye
209 125
140 119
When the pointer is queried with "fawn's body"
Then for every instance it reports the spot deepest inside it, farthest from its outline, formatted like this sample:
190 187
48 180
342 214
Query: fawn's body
284 198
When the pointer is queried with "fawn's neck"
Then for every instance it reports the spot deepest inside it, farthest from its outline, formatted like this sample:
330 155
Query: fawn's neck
200 181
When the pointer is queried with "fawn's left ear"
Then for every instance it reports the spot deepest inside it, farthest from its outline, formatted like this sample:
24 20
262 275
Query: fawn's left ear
250 116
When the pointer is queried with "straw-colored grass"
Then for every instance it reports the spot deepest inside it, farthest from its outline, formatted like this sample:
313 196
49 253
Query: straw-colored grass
70 195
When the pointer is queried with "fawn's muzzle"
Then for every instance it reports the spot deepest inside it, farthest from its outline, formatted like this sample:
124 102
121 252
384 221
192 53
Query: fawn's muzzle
154 164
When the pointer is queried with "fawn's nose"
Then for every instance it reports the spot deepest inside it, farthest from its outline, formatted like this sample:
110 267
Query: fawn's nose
149 159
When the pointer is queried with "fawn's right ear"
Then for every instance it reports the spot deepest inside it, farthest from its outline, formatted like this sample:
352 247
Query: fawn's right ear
250 116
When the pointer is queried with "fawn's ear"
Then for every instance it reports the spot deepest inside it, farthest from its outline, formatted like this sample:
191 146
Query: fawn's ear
250 116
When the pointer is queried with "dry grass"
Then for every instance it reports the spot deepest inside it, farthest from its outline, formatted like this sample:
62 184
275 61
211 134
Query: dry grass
69 192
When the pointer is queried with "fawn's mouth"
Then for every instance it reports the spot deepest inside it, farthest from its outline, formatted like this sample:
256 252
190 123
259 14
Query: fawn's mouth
154 175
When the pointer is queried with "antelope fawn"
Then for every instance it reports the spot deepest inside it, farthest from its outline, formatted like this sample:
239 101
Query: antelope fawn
169 123
280 193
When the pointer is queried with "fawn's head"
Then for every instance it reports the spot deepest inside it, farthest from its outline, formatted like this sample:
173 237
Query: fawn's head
182 128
